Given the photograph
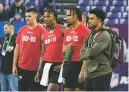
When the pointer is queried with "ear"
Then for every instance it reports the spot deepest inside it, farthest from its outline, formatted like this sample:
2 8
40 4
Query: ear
100 20
36 15
11 27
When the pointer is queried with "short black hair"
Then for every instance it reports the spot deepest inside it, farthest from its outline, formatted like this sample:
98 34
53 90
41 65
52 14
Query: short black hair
77 12
32 10
9 23
17 0
99 13
50 10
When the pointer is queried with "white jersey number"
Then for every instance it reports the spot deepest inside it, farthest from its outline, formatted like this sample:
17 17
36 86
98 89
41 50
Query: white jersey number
53 39
71 38
27 38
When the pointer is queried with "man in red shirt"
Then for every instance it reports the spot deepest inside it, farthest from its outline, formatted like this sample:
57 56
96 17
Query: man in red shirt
28 51
73 70
52 44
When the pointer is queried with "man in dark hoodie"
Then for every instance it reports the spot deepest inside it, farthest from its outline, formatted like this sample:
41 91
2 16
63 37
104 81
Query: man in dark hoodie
17 10
3 15
98 43
8 80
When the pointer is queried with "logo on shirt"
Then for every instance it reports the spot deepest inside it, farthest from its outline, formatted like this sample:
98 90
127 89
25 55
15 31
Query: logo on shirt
50 35
30 32
50 40
72 38
27 38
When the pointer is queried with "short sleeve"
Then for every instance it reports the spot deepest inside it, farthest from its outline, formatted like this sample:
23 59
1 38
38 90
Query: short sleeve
42 30
18 36
42 33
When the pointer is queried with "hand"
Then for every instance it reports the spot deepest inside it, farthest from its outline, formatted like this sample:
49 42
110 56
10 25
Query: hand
15 71
37 77
66 49
57 68
81 77
9 48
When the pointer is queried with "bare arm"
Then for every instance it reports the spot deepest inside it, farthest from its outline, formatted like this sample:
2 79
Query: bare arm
41 60
83 69
65 49
16 55
63 29
40 68
15 60
82 75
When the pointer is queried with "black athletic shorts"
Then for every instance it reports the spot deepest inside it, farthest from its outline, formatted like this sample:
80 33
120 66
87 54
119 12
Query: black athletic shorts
71 72
100 83
26 81
53 75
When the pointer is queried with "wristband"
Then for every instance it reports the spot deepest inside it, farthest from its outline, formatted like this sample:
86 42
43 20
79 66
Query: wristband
83 73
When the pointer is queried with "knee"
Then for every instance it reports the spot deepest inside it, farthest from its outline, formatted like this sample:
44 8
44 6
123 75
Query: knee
53 87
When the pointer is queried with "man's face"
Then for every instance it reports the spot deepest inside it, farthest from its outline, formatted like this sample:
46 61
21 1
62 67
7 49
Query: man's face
18 4
7 29
48 18
93 21
70 17
30 17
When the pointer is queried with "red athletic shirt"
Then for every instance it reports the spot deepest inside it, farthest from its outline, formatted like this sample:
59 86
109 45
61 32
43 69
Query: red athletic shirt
76 37
29 41
53 45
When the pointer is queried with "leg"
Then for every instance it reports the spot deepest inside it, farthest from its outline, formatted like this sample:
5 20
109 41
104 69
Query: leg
34 86
68 89
53 79
88 85
78 89
103 81
13 82
68 77
76 70
4 83
23 83
53 87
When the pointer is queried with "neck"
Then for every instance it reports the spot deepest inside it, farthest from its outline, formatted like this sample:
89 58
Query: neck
97 27
10 34
84 24
52 27
75 25
33 25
